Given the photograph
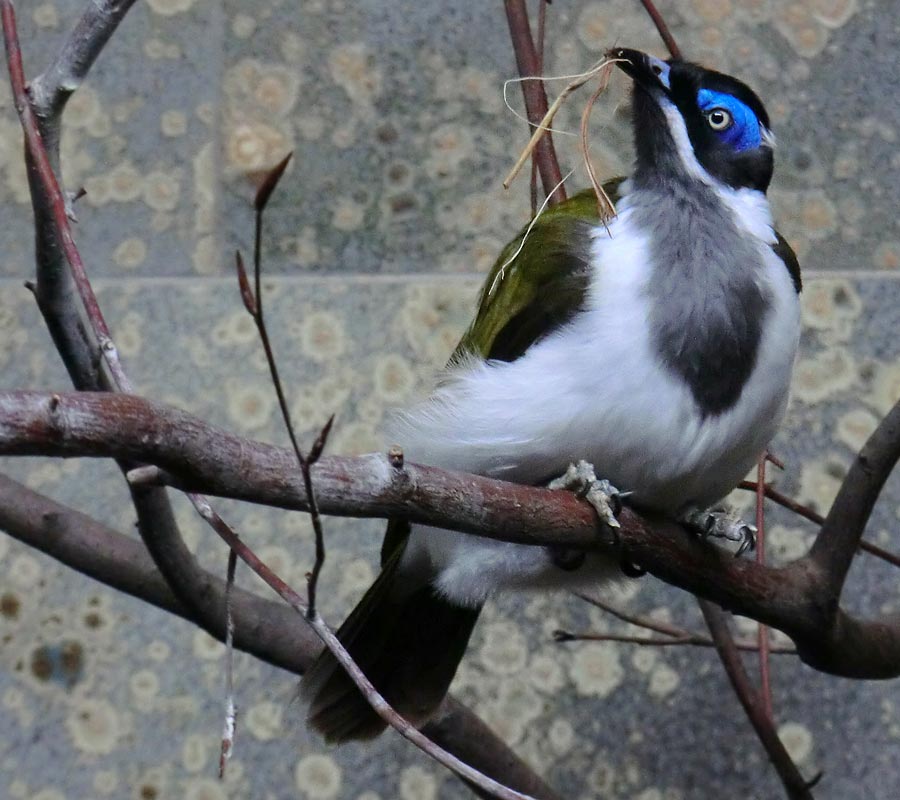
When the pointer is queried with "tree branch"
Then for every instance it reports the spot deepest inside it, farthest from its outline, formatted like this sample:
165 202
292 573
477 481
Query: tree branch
674 634
806 512
264 628
841 533
81 335
49 198
754 704
52 90
664 33
267 629
200 457
530 67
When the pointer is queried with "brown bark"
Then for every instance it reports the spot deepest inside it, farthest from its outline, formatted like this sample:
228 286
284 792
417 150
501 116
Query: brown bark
195 456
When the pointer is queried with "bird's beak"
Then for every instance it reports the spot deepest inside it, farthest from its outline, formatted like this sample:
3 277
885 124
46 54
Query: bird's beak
643 69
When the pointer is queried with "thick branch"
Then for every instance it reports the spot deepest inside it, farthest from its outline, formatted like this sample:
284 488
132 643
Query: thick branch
842 531
56 85
267 629
200 457
48 200
81 335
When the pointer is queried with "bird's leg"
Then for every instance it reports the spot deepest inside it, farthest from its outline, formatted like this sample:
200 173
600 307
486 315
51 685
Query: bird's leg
720 523
602 495
607 502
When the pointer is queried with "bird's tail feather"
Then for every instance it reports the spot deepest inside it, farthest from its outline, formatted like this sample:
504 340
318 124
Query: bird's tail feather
408 645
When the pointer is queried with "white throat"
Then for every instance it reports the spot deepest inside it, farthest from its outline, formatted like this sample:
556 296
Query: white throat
749 207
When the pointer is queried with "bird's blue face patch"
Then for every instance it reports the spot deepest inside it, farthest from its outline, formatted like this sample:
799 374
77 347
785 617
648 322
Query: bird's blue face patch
744 131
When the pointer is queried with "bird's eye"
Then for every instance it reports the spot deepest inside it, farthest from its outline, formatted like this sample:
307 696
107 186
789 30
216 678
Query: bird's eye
719 119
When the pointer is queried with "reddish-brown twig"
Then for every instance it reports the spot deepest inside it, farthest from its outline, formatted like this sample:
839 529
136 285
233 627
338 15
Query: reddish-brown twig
663 29
535 97
378 703
40 162
813 516
264 628
253 302
691 640
541 32
762 632
675 633
794 783
773 459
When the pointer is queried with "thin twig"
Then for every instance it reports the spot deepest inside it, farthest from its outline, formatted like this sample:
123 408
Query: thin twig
230 713
813 516
692 640
267 629
762 632
330 640
675 633
794 783
40 162
774 459
253 301
786 502
663 29
541 31
308 610
641 621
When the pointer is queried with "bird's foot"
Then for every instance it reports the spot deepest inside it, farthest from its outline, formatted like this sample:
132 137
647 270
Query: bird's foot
581 479
720 523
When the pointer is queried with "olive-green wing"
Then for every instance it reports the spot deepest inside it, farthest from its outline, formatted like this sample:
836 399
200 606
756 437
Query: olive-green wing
539 281
537 284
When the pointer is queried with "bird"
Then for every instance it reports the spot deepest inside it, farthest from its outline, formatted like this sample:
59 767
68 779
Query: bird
658 347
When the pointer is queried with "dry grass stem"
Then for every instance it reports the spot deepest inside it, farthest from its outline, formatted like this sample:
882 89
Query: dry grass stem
577 82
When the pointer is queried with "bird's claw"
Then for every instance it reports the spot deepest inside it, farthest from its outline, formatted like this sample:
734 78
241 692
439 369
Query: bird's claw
601 494
721 524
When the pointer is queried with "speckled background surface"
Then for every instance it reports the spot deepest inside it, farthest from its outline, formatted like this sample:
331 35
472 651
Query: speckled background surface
376 239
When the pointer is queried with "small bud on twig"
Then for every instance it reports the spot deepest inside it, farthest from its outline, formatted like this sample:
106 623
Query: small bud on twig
270 182
395 456
319 444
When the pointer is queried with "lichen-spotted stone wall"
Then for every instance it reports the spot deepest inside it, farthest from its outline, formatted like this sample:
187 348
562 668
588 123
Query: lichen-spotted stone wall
388 215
